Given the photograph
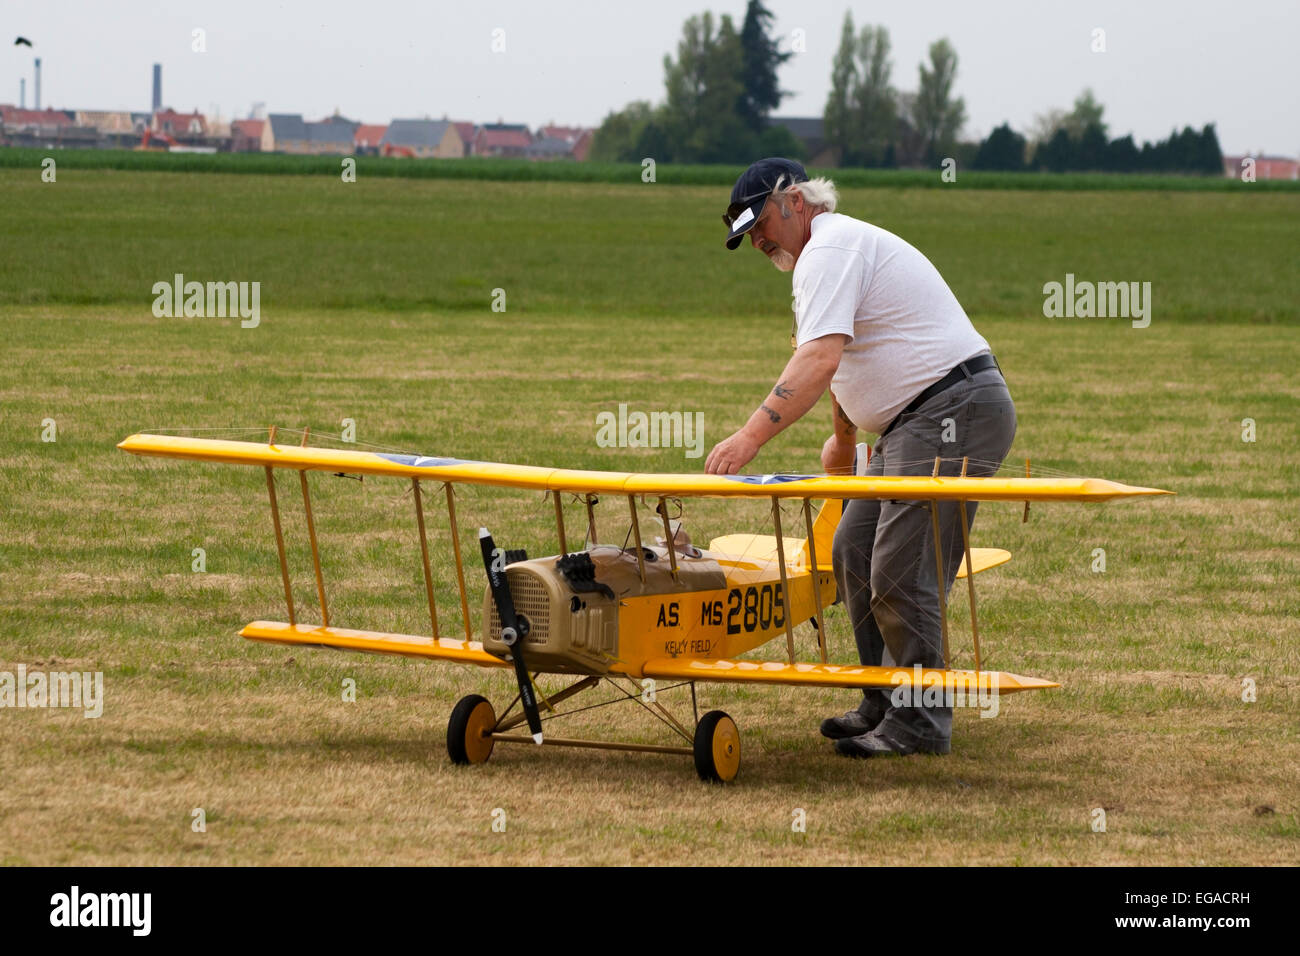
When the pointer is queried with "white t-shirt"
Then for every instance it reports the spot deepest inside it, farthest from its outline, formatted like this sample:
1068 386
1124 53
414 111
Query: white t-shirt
907 328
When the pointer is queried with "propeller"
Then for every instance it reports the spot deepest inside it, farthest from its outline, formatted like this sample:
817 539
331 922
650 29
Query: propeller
513 631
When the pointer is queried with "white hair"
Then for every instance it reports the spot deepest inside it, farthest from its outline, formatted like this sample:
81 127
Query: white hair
819 193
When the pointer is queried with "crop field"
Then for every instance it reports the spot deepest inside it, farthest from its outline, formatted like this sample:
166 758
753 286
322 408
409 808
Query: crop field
1179 662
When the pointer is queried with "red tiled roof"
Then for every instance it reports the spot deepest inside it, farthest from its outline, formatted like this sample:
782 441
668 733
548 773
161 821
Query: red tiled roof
252 128
180 122
369 134
13 116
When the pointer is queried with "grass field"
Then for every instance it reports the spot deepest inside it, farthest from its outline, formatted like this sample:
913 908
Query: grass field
376 307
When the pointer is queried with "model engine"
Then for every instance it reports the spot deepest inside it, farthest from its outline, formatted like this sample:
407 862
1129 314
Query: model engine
571 603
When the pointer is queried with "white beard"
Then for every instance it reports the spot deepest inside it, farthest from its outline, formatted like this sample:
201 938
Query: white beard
782 260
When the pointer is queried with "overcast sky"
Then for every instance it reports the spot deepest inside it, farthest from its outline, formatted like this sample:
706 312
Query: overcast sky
1167 62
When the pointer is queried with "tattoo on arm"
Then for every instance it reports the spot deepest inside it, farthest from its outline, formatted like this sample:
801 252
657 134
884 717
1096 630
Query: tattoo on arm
770 414
781 391
845 418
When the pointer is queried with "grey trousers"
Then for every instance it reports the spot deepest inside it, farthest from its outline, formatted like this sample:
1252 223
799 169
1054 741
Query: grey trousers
884 550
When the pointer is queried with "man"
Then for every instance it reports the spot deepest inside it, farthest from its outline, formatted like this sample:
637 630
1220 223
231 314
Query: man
877 325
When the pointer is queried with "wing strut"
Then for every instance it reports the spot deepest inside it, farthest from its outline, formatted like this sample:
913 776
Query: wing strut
591 520
424 554
970 574
938 566
668 536
279 538
636 531
1025 518
785 583
816 583
455 549
315 551
311 533
559 523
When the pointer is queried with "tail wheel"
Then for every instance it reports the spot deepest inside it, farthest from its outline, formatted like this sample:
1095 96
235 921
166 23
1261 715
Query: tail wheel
717 748
469 730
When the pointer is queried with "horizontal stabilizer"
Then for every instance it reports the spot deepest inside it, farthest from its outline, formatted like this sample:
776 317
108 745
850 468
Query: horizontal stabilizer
756 551
983 559
841 675
372 642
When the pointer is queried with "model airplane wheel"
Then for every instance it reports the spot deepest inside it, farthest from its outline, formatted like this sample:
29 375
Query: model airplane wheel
717 748
469 731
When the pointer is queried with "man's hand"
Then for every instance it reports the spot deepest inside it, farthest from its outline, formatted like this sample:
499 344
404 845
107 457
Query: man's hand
806 376
731 454
837 455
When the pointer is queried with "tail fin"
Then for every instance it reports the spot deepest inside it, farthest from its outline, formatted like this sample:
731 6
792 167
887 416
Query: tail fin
824 525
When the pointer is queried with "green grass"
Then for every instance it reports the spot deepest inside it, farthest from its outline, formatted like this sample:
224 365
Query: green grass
521 170
614 297
585 251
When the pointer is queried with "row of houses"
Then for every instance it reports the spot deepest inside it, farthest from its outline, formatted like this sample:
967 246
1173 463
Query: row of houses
422 138
289 133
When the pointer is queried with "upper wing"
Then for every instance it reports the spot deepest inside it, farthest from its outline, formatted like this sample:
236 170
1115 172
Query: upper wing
613 482
841 675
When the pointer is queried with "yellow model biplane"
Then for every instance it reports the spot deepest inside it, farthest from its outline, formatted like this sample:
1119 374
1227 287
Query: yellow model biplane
609 614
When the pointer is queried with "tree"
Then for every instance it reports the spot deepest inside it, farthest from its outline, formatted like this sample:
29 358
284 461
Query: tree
701 117
937 115
1122 155
1184 149
653 142
617 137
1057 154
1004 149
1087 112
837 119
760 59
777 140
1209 156
908 148
1045 126
1090 151
874 104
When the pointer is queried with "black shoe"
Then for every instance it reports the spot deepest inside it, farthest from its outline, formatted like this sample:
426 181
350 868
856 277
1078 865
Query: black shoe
880 744
852 724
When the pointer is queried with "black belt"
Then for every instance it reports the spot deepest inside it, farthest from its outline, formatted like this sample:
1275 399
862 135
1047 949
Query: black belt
963 370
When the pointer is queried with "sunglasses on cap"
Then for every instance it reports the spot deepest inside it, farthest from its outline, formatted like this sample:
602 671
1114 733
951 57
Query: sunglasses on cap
736 208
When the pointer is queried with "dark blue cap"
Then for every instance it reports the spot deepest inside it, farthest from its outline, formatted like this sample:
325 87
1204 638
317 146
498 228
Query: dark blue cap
749 195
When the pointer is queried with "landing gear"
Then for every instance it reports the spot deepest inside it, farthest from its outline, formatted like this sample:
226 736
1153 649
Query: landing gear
717 748
474 729
469 731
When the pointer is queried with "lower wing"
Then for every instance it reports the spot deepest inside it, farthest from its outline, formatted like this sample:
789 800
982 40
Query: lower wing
841 675
374 642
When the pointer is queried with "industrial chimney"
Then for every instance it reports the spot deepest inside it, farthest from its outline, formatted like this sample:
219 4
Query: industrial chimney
38 83
157 87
